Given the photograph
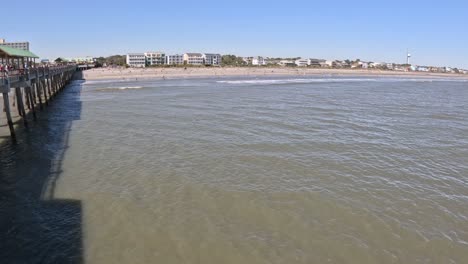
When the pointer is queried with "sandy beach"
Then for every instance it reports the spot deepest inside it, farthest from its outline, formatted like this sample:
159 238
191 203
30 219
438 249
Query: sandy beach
171 73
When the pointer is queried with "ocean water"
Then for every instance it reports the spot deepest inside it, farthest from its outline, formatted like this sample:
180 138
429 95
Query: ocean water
241 170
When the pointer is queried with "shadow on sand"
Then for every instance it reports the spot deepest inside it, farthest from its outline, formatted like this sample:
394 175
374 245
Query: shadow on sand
34 226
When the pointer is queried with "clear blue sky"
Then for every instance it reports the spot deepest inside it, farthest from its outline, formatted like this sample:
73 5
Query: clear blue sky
436 32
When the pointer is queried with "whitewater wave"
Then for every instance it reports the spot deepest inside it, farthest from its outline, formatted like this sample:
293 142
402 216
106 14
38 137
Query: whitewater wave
334 80
107 89
88 82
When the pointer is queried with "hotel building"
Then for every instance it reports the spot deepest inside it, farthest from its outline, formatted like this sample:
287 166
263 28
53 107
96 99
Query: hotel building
136 60
155 58
212 59
193 58
176 59
16 45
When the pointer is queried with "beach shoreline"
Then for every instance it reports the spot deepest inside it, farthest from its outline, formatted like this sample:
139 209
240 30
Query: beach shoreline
192 72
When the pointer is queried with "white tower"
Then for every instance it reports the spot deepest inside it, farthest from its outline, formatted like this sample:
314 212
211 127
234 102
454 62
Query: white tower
408 56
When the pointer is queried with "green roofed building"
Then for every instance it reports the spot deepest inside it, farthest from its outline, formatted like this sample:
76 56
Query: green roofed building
15 53
14 56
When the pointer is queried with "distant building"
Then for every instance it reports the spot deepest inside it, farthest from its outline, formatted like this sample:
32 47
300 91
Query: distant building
247 60
327 64
447 70
155 58
193 58
337 64
302 62
212 59
256 61
287 63
176 59
319 63
136 60
422 69
259 61
80 60
400 68
16 45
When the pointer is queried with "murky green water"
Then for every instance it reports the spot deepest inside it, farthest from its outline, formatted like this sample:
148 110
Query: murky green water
322 170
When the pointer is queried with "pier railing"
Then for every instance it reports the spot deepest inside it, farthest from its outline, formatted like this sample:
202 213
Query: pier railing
33 87
28 74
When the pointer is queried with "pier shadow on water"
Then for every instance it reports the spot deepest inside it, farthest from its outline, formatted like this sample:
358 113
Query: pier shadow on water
34 226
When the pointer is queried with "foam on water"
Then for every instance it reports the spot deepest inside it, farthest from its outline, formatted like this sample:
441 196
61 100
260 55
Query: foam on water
333 80
107 89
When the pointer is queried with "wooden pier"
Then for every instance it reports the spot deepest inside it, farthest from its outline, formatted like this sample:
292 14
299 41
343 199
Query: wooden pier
33 87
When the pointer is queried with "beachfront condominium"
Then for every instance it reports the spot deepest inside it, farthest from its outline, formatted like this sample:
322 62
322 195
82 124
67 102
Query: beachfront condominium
136 60
16 45
176 59
212 59
193 59
155 58
256 61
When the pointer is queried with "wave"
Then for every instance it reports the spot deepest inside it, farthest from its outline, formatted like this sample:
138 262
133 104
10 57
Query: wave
88 82
107 89
335 80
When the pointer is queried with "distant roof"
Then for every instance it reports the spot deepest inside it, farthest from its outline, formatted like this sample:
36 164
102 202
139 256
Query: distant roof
17 52
194 54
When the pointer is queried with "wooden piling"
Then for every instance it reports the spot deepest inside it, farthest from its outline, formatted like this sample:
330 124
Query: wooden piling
19 97
6 101
30 95
38 93
44 88
49 85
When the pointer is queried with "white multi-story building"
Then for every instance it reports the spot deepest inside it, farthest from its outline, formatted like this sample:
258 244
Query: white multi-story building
212 59
259 61
155 58
136 60
176 59
302 62
193 58
16 45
